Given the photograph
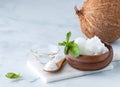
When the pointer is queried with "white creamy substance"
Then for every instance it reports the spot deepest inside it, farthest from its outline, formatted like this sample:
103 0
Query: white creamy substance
81 43
51 65
91 46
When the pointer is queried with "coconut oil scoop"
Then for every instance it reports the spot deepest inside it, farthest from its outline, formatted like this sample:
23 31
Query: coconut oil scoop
54 65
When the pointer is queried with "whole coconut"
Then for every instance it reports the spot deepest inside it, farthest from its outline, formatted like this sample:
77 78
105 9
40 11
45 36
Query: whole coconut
100 18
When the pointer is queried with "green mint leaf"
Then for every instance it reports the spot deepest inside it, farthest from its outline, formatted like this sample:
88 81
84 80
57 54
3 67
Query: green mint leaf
71 43
66 50
68 36
74 50
62 44
12 75
70 46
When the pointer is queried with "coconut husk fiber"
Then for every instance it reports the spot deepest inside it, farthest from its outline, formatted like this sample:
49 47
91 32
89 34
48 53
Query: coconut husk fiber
100 18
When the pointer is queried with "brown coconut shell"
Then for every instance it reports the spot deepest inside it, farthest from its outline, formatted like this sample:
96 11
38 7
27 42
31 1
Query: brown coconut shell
100 18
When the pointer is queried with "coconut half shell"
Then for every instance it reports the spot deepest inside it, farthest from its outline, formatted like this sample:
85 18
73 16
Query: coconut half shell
100 18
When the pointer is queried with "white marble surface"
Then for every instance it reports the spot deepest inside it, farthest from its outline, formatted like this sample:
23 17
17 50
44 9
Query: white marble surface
24 23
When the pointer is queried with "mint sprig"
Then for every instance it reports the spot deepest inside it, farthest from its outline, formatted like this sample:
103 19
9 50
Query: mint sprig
70 46
12 75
